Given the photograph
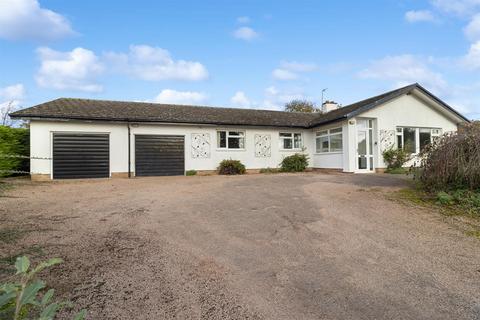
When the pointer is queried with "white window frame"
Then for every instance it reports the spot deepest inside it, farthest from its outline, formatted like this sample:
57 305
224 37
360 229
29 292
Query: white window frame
227 136
291 137
434 133
327 133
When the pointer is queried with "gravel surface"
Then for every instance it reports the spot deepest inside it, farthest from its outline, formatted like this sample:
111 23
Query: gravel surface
284 246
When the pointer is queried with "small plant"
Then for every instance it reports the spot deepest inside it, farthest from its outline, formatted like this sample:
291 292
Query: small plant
294 163
395 158
444 198
24 299
230 167
191 172
269 170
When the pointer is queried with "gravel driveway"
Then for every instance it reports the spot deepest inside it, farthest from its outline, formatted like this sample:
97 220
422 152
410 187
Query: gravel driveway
303 246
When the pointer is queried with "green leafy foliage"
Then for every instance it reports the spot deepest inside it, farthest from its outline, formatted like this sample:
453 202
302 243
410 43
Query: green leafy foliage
301 106
14 141
230 167
395 158
24 298
444 198
269 170
191 173
294 163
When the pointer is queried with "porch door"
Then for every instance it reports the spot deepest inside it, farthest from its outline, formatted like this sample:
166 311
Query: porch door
364 145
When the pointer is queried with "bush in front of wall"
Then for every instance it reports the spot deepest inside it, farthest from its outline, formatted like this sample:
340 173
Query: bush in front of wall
230 167
191 172
294 163
395 158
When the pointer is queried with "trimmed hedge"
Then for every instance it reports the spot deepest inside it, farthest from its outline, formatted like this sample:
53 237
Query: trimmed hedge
230 167
14 141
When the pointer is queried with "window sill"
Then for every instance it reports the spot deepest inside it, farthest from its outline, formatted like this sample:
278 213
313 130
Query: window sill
220 149
290 150
327 153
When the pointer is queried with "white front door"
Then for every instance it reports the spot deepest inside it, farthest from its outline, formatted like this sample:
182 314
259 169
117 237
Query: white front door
364 146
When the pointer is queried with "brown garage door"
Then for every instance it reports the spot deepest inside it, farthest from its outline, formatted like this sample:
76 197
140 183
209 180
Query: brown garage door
159 155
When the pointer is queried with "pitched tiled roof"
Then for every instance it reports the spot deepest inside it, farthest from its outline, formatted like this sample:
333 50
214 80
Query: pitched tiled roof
85 109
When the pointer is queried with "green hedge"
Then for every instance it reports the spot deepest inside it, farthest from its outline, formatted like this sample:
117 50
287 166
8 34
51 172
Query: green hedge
14 141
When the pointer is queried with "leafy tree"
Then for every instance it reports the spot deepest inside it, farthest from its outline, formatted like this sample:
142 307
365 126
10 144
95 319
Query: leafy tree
298 105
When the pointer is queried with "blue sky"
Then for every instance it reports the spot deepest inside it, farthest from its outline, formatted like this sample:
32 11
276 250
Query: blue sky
252 54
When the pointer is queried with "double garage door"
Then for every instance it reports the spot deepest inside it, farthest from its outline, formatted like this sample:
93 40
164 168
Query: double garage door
87 155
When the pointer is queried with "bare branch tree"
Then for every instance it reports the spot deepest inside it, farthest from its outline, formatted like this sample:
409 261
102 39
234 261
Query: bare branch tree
5 109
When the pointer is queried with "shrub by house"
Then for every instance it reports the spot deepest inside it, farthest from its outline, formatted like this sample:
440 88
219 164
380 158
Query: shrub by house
231 167
294 163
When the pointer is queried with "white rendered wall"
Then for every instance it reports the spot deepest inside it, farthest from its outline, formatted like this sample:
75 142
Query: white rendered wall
405 111
41 144
331 160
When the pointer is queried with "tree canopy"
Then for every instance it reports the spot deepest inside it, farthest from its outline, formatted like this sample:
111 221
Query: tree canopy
298 105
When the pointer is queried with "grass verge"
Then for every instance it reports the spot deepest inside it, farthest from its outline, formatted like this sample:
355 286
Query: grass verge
417 197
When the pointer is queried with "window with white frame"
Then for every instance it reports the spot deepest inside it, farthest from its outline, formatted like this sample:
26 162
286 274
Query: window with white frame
413 140
329 140
290 141
230 139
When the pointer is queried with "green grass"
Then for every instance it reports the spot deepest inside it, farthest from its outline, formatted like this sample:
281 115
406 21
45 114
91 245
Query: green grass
473 233
442 204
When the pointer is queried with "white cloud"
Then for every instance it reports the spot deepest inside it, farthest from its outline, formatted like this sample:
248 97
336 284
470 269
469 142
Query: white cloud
71 70
180 97
245 33
243 19
155 64
403 70
282 74
419 16
25 19
276 99
298 66
13 92
240 99
460 7
289 70
472 30
472 59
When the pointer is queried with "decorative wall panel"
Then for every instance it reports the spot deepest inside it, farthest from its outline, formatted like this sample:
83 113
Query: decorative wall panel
263 145
200 145
387 139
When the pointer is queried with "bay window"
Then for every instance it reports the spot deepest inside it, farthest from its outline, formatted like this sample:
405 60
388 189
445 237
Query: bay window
230 139
290 141
414 140
329 140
